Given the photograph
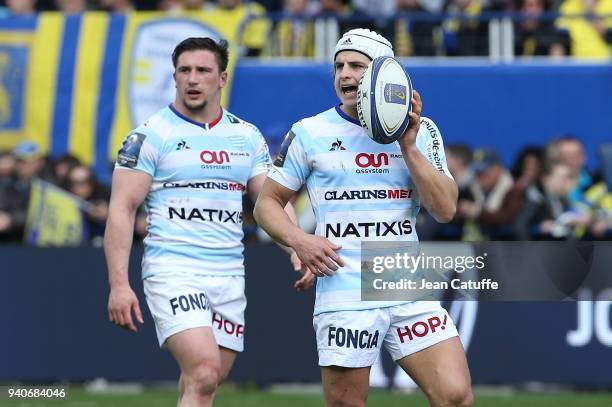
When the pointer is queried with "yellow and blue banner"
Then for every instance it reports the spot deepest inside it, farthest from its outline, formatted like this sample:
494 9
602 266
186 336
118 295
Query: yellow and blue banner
54 217
80 83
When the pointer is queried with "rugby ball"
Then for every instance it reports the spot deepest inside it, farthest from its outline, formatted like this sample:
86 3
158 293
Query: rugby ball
383 100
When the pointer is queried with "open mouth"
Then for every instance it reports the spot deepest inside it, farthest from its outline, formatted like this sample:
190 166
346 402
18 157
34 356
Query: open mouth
349 90
194 92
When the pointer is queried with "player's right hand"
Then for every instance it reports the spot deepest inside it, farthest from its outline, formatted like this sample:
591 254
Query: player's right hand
121 303
318 254
307 279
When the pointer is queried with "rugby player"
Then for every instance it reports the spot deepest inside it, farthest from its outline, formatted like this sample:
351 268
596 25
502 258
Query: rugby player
404 175
192 161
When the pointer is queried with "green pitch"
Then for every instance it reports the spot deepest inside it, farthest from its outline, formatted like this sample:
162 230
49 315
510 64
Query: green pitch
233 397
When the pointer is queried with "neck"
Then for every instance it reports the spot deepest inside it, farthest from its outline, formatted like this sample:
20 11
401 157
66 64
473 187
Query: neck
208 113
351 111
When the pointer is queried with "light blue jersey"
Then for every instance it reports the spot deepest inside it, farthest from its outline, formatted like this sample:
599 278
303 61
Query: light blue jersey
194 207
360 191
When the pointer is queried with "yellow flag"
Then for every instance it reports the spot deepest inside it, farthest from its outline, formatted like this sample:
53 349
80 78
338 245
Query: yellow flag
54 217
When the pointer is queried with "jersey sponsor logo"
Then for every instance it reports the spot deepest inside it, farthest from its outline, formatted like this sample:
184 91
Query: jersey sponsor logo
433 151
365 160
130 150
206 215
222 185
282 154
370 163
214 157
351 338
189 302
368 194
368 229
422 328
229 327
337 145
182 145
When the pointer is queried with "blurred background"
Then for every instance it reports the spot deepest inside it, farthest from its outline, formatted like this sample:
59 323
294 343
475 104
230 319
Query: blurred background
521 91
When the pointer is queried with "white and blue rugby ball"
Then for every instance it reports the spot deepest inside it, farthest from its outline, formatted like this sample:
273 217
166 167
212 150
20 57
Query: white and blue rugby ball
383 100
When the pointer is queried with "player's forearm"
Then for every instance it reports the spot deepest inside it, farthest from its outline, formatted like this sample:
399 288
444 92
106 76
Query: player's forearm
437 192
276 221
118 244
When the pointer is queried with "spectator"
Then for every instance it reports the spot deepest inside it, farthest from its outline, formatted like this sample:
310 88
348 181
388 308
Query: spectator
374 8
547 212
346 16
600 199
294 34
459 159
503 198
569 150
21 7
534 35
81 181
71 6
464 33
528 166
117 6
7 167
14 202
61 168
412 37
591 36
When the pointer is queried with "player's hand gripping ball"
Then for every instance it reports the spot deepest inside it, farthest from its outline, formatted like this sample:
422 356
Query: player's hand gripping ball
383 100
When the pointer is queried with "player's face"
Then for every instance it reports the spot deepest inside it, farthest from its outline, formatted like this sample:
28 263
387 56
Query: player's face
198 80
348 70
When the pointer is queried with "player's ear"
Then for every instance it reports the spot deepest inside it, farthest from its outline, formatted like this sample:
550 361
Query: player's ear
223 79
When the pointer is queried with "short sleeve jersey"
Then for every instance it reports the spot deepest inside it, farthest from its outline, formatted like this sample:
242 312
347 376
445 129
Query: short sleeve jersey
194 206
360 191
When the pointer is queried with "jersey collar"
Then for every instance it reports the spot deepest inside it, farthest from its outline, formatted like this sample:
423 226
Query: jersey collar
346 116
205 126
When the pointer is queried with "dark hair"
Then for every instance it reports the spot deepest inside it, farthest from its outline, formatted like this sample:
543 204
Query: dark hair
535 151
203 43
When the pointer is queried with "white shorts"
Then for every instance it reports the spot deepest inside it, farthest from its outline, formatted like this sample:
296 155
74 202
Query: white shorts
354 338
181 302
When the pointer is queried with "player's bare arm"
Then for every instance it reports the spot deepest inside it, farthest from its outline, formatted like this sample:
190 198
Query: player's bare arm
316 252
129 189
438 192
254 187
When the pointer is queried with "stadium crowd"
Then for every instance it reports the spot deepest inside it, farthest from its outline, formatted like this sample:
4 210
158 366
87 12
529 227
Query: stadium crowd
547 194
555 28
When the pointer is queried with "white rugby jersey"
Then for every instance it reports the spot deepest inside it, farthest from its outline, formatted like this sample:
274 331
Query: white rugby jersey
359 189
194 207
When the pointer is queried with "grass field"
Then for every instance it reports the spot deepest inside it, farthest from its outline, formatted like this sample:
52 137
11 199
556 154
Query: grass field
251 397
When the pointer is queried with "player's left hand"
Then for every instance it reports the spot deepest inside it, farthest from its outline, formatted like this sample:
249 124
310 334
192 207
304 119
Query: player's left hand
307 280
408 139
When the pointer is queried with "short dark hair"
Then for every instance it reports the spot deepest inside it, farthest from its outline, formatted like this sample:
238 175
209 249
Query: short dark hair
203 43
